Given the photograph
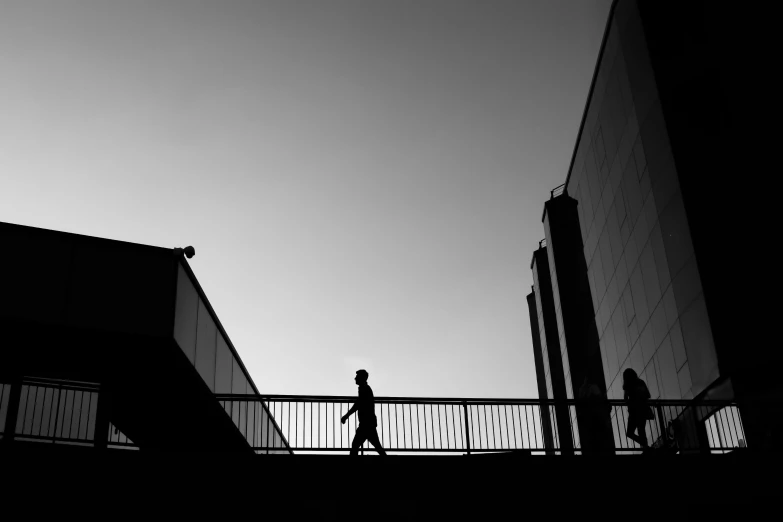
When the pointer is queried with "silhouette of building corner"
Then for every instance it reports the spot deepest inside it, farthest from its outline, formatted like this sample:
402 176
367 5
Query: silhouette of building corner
111 344
636 269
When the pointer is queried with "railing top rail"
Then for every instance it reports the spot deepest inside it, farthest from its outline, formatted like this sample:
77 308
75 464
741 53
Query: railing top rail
58 383
456 400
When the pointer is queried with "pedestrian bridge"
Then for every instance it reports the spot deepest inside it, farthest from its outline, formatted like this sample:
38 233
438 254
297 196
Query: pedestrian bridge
472 426
67 414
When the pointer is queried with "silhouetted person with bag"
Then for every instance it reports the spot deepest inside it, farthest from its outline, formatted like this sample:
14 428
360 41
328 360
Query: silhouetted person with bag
368 422
639 412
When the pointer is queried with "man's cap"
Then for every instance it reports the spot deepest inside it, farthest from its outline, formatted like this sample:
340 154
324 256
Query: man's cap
362 373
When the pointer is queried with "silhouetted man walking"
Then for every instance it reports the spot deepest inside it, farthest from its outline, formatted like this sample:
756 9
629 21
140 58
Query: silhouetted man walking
368 422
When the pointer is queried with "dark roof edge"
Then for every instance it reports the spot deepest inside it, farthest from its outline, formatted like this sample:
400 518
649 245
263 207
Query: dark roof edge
590 92
85 237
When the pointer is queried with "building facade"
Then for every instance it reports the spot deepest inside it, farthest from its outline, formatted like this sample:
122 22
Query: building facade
655 137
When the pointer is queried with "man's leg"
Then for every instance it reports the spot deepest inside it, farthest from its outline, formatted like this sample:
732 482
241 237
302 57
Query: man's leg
373 438
358 440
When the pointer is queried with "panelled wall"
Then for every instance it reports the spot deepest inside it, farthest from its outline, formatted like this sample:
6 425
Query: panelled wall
646 290
197 334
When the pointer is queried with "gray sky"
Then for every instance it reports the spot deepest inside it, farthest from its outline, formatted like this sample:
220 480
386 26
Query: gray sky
363 181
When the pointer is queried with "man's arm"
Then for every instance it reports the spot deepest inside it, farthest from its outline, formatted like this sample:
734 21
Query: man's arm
363 396
353 409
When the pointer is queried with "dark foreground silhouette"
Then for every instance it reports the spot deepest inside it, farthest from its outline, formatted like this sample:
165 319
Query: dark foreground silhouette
368 422
597 436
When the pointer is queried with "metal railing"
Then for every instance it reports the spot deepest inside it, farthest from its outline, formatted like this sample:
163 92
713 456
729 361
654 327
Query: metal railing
52 411
256 423
473 426
66 413
557 191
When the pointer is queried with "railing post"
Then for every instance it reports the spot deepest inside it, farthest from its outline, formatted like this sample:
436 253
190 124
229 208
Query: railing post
467 426
702 438
102 419
662 428
14 398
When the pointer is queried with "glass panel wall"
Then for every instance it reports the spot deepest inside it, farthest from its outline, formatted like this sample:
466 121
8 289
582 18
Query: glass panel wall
186 315
5 393
223 367
206 340
197 333
646 287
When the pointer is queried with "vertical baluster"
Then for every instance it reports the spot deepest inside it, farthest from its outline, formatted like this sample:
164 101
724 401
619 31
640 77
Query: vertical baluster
467 426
